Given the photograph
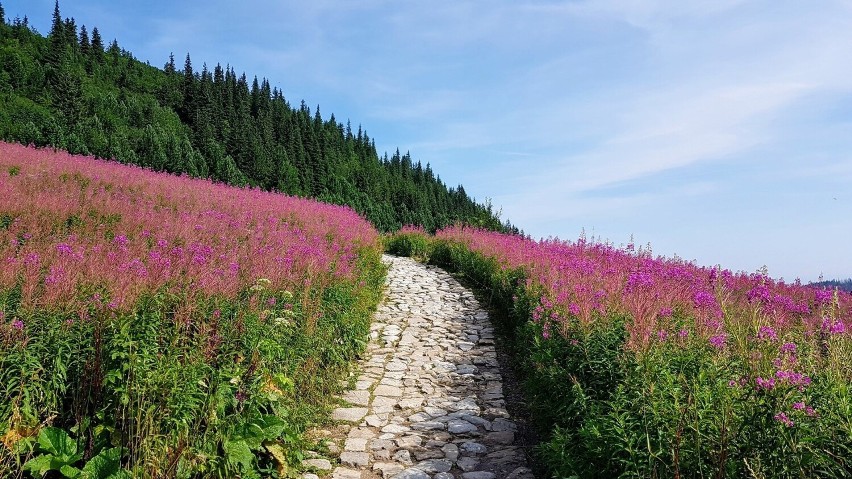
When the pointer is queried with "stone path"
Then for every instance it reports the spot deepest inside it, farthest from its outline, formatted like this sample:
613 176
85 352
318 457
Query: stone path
429 399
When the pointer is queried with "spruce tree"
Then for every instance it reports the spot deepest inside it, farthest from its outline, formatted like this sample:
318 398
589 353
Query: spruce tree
57 37
2 15
97 51
169 67
85 45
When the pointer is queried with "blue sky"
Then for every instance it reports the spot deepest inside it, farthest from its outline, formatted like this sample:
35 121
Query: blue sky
717 130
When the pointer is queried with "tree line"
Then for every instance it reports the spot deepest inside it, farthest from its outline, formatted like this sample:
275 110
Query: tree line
71 90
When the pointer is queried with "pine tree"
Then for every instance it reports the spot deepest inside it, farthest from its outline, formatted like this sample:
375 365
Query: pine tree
2 15
85 45
57 37
70 36
67 92
169 67
97 51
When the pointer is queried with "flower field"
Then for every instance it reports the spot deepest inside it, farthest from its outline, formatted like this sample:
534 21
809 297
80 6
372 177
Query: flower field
643 366
162 326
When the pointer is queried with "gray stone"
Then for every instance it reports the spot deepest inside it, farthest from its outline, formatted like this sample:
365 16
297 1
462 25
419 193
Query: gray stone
473 448
434 411
458 426
385 390
428 426
434 465
349 414
355 444
407 442
345 473
411 474
357 459
467 404
395 429
501 424
388 469
320 464
360 398
403 456
451 451
468 463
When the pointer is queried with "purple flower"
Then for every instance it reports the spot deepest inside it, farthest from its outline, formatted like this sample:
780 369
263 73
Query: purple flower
718 341
798 406
823 296
120 240
783 419
703 299
271 301
64 248
759 294
18 324
767 384
766 333
665 312
638 279
788 348
574 309
662 335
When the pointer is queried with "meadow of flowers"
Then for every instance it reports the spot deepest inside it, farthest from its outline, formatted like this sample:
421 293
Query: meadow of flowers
643 366
162 326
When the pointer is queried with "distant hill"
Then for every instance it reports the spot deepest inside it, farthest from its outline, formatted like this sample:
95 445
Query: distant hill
843 284
72 91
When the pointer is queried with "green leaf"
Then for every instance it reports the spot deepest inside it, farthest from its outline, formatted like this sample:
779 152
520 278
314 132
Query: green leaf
272 426
70 472
39 465
238 452
104 465
56 441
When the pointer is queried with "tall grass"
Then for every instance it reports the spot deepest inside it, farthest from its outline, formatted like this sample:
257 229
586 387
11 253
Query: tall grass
643 366
168 326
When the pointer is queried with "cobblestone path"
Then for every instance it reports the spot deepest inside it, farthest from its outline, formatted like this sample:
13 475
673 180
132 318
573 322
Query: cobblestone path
428 401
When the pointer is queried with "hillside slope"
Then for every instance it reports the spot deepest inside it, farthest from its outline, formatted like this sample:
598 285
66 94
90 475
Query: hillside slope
72 91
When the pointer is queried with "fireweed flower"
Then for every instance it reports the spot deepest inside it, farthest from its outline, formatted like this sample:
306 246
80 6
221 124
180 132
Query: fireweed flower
766 333
767 384
18 324
718 341
783 419
574 309
823 296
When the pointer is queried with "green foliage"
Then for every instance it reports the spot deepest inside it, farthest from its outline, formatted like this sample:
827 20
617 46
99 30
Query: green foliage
66 91
146 392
